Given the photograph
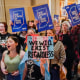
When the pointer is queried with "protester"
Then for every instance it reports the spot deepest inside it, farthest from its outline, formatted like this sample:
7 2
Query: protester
23 34
32 25
57 28
64 36
22 64
3 38
59 56
34 72
21 38
11 59
29 32
75 36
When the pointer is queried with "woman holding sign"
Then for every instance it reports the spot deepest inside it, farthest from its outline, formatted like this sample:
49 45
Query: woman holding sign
11 59
59 56
34 68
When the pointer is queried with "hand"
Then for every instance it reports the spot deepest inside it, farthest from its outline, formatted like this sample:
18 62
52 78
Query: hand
10 22
14 33
3 45
15 73
36 22
5 71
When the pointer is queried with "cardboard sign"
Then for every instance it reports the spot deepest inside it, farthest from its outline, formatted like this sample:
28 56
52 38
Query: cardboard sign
40 47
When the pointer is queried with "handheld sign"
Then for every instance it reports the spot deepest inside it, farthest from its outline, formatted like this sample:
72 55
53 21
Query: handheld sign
17 16
56 17
63 12
40 47
42 14
78 7
73 14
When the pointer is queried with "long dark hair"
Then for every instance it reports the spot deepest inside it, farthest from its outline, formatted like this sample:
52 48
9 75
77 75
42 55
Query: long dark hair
18 47
54 32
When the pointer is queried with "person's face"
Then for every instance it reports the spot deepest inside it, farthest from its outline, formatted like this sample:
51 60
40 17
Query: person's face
64 27
11 44
31 23
57 27
2 28
24 32
30 32
50 33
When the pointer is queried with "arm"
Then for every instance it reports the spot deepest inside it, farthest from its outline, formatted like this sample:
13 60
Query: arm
3 64
22 53
42 69
24 72
15 34
62 54
43 61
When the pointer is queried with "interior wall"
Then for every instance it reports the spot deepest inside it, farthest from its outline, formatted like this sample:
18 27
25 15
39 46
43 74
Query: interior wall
35 3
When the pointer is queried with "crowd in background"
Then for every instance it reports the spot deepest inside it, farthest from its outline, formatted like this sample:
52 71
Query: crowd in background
66 40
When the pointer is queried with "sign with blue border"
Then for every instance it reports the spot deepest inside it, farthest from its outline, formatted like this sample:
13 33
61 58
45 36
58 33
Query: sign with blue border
42 14
73 14
17 16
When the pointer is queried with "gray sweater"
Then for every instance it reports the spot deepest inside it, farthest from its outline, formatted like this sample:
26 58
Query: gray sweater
59 53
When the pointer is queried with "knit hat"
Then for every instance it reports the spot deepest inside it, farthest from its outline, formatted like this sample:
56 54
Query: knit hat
67 23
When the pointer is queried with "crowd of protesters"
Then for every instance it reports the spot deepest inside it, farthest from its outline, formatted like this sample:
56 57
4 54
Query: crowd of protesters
66 40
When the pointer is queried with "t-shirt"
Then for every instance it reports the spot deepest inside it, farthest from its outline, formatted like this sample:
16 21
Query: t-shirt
3 39
33 71
12 63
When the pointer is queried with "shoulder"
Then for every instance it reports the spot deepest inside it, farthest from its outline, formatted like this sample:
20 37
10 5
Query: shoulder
59 43
4 53
8 34
21 53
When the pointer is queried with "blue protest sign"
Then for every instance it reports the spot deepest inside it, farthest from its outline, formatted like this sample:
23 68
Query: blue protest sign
73 14
42 14
40 47
17 16
56 17
78 7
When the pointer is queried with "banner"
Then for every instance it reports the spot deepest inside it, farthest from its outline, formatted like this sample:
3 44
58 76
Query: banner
73 14
56 17
40 47
17 16
42 14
